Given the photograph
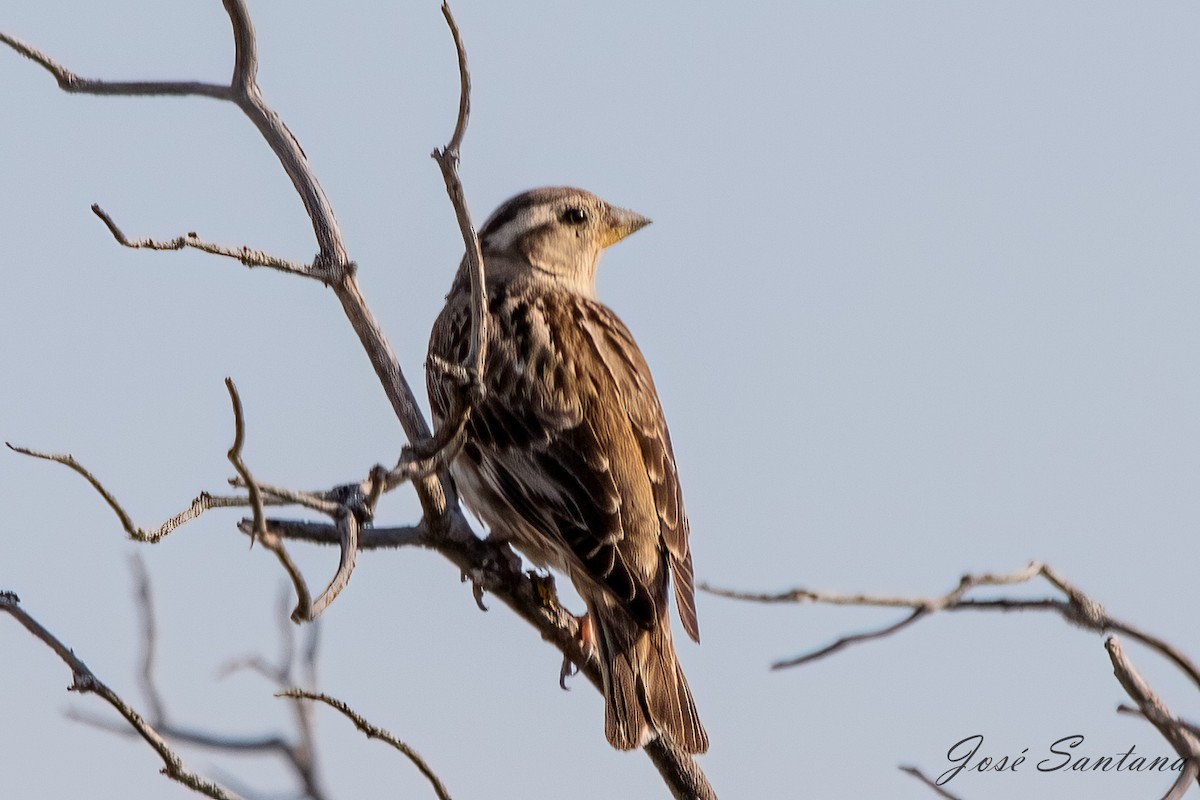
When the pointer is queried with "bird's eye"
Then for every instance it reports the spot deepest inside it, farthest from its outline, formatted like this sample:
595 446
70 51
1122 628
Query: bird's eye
574 216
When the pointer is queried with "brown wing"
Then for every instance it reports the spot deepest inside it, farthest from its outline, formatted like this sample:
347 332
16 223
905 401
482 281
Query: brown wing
640 401
570 434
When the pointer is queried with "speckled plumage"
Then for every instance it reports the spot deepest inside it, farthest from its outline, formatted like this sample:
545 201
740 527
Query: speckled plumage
568 455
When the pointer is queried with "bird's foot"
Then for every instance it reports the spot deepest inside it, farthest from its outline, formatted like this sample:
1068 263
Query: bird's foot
544 587
587 646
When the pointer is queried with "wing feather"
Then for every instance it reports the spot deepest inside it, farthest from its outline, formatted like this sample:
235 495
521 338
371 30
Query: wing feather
571 437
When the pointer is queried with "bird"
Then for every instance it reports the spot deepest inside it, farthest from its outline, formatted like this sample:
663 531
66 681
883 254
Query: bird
566 453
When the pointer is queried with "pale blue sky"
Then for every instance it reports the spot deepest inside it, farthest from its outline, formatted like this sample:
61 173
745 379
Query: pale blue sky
920 298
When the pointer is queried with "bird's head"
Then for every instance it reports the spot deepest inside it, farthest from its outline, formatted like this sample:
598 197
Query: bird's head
553 234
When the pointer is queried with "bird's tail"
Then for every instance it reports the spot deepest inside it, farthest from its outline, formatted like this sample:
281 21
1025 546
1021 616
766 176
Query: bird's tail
645 692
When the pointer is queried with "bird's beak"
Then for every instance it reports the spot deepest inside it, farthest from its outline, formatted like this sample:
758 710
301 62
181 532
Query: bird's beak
621 223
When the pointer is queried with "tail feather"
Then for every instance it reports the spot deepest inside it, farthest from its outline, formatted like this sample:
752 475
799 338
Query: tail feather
645 692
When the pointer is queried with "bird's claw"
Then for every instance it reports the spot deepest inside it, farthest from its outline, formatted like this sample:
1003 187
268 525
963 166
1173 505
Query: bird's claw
476 579
568 669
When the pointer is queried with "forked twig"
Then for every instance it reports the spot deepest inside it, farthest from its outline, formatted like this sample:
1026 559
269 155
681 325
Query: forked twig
203 502
1078 609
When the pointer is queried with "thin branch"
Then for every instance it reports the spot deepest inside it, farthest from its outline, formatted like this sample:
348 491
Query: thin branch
300 755
325 533
145 607
1175 731
373 732
850 639
1077 609
85 681
303 610
68 81
265 743
1124 709
203 502
965 583
245 255
235 457
1189 774
916 773
347 526
434 455
464 93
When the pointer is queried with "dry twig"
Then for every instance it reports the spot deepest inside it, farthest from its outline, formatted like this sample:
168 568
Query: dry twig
85 681
426 458
1077 608
1178 733
373 732
916 773
299 754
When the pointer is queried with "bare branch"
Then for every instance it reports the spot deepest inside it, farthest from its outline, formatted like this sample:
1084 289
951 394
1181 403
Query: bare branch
916 773
801 595
145 606
247 256
303 610
320 501
300 755
1077 609
373 732
203 502
1189 773
1174 730
68 81
235 457
347 526
434 455
846 641
1124 709
325 533
464 94
85 681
